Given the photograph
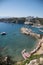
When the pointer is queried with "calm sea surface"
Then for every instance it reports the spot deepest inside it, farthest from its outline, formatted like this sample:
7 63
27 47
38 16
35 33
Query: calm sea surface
14 42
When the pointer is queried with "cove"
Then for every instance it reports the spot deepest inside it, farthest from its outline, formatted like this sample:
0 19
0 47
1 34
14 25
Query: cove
14 42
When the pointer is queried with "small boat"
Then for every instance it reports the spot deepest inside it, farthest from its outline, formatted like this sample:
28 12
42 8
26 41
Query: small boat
3 33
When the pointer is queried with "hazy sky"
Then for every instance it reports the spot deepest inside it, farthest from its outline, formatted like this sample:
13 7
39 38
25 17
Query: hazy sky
21 8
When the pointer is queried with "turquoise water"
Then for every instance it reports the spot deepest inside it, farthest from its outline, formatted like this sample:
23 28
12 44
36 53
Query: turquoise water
14 42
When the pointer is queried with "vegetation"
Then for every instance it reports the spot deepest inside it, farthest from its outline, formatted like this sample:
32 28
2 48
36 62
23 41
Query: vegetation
37 20
13 20
6 60
9 60
29 59
22 20
32 57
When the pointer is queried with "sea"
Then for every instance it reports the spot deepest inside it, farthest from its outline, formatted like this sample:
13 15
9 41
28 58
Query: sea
14 41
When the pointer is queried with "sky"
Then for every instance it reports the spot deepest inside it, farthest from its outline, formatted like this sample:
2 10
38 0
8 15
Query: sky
21 8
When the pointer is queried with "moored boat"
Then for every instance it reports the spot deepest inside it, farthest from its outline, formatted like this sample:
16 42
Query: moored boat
3 33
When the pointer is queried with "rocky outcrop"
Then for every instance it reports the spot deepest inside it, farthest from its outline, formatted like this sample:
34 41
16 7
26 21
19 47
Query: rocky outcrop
6 60
36 62
27 31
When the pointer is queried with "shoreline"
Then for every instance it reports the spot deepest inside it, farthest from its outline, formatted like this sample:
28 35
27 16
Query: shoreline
21 61
34 51
40 50
29 31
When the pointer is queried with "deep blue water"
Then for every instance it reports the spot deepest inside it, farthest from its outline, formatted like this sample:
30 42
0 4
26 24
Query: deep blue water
14 42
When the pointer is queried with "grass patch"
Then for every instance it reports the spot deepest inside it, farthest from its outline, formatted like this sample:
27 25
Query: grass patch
31 58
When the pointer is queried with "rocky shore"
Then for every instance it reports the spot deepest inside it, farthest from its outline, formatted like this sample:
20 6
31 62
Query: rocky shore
36 55
27 31
6 60
36 62
37 50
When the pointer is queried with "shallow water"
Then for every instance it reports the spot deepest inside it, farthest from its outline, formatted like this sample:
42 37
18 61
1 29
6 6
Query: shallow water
14 42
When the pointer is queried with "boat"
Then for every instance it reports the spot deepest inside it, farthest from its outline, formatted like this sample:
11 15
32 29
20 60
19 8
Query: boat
3 33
